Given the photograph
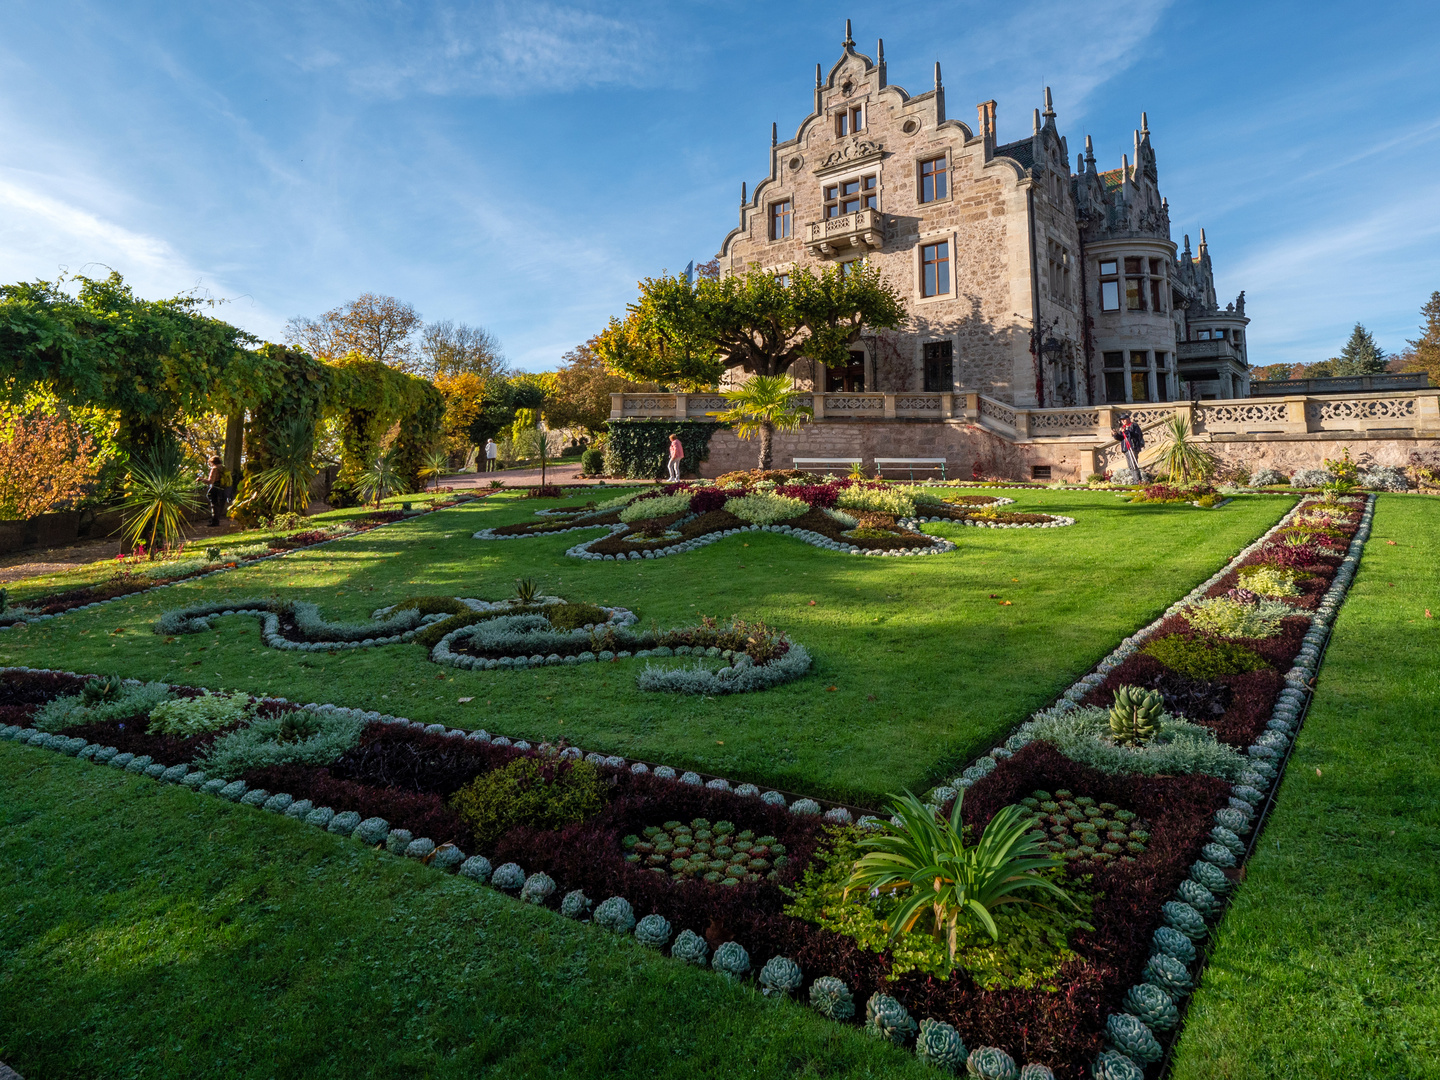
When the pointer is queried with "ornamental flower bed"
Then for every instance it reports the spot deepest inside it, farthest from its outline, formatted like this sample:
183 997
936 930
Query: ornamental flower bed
859 517
1091 985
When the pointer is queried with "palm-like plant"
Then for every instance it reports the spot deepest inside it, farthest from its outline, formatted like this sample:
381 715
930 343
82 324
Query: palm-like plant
764 405
927 867
1180 457
381 479
286 483
160 491
435 465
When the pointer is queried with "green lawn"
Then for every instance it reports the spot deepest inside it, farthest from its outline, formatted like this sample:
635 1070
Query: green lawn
919 665
150 932
1328 965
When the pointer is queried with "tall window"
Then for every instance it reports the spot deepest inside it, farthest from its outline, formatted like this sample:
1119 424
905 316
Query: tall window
848 196
1139 377
847 379
1157 286
933 180
1109 287
1059 271
939 368
1134 284
1162 377
848 121
935 264
780 219
1114 376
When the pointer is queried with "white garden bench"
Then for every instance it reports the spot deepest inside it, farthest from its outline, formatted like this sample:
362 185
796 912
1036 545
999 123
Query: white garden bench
827 463
911 464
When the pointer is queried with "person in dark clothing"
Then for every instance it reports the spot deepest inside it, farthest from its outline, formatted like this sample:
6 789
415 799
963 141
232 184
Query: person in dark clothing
215 492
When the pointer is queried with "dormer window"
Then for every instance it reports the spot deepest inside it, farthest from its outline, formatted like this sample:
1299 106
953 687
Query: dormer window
848 121
781 215
848 196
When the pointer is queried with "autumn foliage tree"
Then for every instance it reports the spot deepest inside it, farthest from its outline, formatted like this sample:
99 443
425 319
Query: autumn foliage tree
582 387
1425 350
46 461
379 328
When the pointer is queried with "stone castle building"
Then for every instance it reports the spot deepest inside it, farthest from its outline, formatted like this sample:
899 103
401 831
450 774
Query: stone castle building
1025 282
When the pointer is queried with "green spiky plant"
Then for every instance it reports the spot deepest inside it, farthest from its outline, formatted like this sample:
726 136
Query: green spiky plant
286 482
1179 457
159 493
435 465
764 405
925 864
526 590
381 479
1135 715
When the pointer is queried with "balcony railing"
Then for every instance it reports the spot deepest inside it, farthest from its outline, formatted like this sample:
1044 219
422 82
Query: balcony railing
864 229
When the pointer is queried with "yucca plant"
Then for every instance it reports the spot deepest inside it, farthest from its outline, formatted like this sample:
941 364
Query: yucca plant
286 483
435 465
526 590
762 406
159 492
381 479
926 866
1179 457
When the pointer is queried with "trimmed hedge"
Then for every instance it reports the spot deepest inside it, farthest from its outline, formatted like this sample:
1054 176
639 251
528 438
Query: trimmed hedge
640 449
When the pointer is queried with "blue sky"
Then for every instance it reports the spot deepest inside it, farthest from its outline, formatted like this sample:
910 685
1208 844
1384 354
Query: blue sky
519 166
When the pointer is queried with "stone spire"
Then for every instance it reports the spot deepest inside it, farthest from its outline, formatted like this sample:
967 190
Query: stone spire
849 42
1089 154
1037 121
1049 112
774 133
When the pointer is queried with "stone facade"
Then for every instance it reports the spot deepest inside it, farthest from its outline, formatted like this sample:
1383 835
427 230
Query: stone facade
998 249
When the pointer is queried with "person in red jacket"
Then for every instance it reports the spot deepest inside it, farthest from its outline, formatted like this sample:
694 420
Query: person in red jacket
677 453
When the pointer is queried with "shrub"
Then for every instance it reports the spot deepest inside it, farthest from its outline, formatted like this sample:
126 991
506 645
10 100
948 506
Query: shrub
129 704
574 616
1202 658
660 506
1310 478
744 676
541 794
1268 477
198 715
1178 747
294 738
592 461
763 509
433 605
884 500
1384 478
1269 580
545 491
1226 618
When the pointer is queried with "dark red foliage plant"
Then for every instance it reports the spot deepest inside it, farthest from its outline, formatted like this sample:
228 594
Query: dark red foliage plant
423 815
703 500
409 759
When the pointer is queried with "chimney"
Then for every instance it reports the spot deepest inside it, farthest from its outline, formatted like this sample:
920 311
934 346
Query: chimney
986 111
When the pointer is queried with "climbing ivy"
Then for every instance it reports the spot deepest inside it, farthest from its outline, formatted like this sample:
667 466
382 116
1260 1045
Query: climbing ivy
640 449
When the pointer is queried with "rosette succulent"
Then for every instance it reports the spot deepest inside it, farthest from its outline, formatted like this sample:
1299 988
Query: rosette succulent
538 888
690 947
831 997
447 857
372 831
1232 819
422 847
575 905
1198 897
1035 1071
653 931
343 823
1226 838
991 1063
1152 1005
1135 715
780 975
508 877
1184 918
1132 1037
940 1045
731 959
615 915
1211 876
1111 1065
476 868
887 1018
1170 942
1217 854
1169 975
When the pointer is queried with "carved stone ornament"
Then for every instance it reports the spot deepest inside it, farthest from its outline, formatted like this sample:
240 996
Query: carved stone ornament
855 150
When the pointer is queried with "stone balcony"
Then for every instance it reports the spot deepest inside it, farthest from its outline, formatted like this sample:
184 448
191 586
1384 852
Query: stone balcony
863 230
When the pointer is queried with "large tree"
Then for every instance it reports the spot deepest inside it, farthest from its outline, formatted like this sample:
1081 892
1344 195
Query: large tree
581 393
379 328
1425 350
449 348
683 334
1360 356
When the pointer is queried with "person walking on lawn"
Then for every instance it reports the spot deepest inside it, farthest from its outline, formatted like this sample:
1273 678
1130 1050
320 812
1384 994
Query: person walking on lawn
492 452
677 453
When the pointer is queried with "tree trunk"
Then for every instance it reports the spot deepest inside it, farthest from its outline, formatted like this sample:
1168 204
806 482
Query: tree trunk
234 442
767 433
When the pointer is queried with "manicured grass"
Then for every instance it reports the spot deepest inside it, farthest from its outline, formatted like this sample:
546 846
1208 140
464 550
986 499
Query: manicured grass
1327 967
919 663
152 932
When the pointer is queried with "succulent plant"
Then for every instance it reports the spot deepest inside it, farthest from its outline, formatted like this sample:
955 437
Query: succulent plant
1198 897
574 905
448 858
653 931
422 847
1234 820
1111 1065
780 975
1217 854
1169 975
538 888
209 787
831 997
1036 1071
1134 715
372 831
1227 838
731 959
887 1018
254 797
1132 1037
690 947
319 817
476 868
991 1063
508 877
940 1045
278 803
1171 942
1154 1006
344 823
398 841
614 914
1211 876
1184 918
